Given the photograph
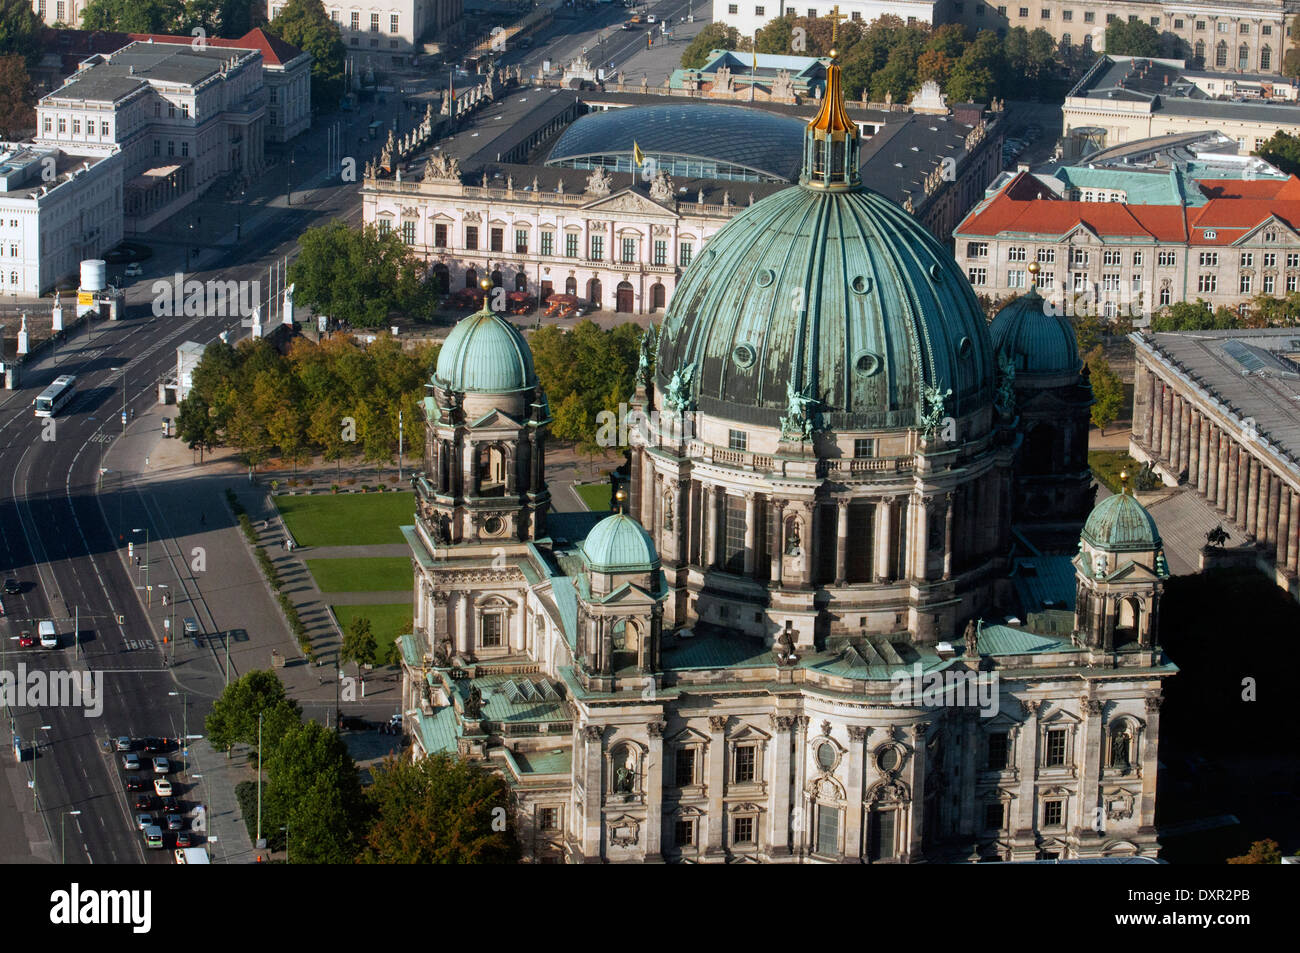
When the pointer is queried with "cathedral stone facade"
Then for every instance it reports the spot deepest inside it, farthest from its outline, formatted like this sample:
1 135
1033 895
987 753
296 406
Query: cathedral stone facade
794 639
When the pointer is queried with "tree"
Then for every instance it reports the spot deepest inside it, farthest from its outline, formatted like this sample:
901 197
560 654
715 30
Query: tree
313 790
1132 38
1282 150
359 645
20 31
1261 852
306 25
16 112
976 74
715 36
1107 391
133 16
356 274
439 810
233 719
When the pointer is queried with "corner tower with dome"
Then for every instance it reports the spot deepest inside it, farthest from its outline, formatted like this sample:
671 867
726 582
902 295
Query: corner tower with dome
807 632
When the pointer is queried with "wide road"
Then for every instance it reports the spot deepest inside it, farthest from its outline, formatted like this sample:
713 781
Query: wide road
66 548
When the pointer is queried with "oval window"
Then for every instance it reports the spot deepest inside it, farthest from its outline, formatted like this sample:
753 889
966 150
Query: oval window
743 355
888 759
826 755
866 364
936 273
493 525
765 277
964 347
860 285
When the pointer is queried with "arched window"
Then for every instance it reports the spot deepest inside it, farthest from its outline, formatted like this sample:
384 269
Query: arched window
491 471
521 281
1065 42
1200 52
1087 42
1221 54
471 278
1243 57
1265 58
496 278
441 279
1120 746
571 286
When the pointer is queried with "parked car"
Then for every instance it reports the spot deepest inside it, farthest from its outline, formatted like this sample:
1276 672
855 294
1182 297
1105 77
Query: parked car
134 782
131 761
162 786
13 587
161 765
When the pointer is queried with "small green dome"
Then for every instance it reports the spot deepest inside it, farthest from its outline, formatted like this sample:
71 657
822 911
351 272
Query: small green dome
485 354
1121 524
1036 342
619 544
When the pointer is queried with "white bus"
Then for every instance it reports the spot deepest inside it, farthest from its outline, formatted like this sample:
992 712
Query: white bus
52 399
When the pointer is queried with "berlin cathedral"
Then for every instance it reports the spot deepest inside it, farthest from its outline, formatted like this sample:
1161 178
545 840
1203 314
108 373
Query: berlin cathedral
854 604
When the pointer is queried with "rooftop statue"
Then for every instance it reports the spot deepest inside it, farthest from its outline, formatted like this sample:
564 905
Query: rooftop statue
598 183
932 417
677 395
801 418
1006 399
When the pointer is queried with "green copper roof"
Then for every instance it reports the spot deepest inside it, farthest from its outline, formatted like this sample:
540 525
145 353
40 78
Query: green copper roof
619 544
841 293
485 353
1036 341
1121 524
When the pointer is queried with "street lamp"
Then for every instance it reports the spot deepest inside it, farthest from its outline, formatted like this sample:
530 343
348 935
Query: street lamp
35 803
185 728
239 212
288 179
63 839
145 530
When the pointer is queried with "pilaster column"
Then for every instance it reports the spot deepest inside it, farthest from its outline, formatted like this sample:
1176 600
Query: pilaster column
751 531
1283 527
807 543
968 821
1271 513
1293 551
1212 470
778 545
799 836
1167 424
1243 487
1146 813
717 782
853 793
947 535
1026 805
1203 454
465 637
778 836
1176 437
1110 606
920 545
718 524
1189 441
883 572
654 791
1089 799
1233 479
1158 418
1252 496
1193 451
841 540
706 525
917 807
683 490
592 822
1144 392
606 646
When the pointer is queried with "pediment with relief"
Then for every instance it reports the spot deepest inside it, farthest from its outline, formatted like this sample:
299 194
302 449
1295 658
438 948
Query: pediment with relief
627 201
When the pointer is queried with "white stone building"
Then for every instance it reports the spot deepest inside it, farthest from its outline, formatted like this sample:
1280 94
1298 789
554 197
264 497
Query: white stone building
750 16
386 33
56 209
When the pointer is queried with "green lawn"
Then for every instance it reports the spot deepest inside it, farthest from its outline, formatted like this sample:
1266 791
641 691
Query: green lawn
377 573
387 621
596 496
347 519
1107 464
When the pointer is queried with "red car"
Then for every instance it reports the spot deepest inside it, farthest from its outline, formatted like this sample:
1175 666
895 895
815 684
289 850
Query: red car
26 640
183 839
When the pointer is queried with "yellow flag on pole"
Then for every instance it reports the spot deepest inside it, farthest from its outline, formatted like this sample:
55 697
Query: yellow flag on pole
638 157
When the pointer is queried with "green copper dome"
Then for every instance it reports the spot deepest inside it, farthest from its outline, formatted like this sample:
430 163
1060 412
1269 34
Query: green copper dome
486 354
1036 342
827 291
619 544
1121 524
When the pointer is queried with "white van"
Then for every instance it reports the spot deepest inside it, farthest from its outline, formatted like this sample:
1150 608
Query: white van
49 638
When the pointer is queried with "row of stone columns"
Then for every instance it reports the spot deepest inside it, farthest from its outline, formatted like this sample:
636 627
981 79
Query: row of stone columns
1225 471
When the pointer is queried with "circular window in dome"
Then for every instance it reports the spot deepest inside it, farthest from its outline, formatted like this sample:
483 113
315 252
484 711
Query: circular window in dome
826 755
936 273
743 355
861 285
765 277
493 525
964 347
888 759
866 364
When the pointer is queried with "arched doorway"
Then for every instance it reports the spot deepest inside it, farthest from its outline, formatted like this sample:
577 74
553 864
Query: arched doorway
521 281
657 296
571 286
441 279
496 278
491 471
471 278
624 298
593 292
627 644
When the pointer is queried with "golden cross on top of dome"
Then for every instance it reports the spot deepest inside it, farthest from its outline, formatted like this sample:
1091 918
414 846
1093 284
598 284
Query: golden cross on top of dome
835 18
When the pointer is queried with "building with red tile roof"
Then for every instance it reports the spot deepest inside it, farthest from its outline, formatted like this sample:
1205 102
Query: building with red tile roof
1134 236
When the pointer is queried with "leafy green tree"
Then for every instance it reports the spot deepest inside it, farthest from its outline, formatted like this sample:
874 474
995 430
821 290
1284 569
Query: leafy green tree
976 74
1132 38
233 719
1042 53
1107 391
16 100
306 25
1282 150
1264 851
133 16
439 810
359 644
313 790
715 36
356 274
948 40
20 31
777 36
